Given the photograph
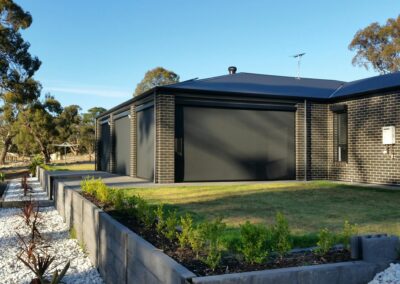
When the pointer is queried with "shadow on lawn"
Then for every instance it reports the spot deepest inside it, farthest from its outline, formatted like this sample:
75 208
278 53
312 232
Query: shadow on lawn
307 210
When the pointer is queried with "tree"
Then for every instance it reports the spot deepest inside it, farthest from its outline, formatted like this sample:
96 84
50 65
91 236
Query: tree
378 46
17 67
156 77
68 124
40 121
87 129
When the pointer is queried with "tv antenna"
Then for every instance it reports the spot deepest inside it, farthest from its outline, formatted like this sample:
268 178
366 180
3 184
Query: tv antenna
298 56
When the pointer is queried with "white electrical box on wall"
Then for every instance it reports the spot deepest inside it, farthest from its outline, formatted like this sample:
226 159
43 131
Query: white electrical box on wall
388 135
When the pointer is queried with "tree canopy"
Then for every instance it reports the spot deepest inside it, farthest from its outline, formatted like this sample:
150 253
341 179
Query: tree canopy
156 77
378 46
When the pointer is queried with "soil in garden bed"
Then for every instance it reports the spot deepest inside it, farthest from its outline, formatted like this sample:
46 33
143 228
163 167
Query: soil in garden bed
229 263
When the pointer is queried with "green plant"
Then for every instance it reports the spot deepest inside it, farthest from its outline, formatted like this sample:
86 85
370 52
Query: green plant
326 240
187 228
281 239
144 212
349 230
211 233
2 176
72 233
171 222
103 192
37 160
131 205
159 212
89 185
196 240
254 242
117 198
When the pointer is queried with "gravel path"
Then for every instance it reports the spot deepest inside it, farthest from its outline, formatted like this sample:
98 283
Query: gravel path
56 234
389 276
14 191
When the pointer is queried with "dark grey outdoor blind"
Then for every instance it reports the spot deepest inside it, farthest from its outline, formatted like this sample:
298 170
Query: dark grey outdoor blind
145 143
105 149
234 144
122 145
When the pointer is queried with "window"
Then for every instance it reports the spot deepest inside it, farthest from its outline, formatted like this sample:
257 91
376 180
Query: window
342 147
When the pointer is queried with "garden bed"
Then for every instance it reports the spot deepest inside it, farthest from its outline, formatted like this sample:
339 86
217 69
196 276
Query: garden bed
230 261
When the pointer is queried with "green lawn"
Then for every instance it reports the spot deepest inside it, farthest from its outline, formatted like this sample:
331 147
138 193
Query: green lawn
70 167
308 207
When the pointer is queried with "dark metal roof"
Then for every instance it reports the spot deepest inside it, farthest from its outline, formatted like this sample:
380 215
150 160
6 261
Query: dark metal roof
257 84
280 87
377 84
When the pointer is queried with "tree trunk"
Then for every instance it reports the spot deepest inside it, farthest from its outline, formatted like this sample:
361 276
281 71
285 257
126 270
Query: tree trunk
4 151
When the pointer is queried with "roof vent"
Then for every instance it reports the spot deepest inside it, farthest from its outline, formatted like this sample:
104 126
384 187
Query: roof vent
232 70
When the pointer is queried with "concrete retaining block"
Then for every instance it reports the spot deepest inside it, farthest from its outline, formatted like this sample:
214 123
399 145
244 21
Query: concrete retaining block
356 272
112 253
379 248
157 266
91 229
77 214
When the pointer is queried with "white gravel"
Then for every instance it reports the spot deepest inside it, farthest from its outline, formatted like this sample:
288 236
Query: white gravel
14 191
56 234
389 276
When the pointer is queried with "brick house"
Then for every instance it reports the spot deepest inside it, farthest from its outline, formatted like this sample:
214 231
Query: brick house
246 126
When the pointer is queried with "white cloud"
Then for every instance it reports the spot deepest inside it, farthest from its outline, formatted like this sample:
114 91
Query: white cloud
90 90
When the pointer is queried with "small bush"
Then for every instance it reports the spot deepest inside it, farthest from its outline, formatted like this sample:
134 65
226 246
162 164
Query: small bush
281 240
131 205
2 177
187 228
211 233
349 230
254 242
196 240
159 212
37 160
118 198
170 226
103 192
89 185
144 212
326 240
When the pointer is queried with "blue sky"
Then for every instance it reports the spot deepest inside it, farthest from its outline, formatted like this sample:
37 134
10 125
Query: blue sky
95 52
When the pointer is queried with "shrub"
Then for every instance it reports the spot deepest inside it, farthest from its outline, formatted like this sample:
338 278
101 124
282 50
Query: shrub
254 242
212 232
196 240
187 228
89 185
131 205
102 192
281 240
159 212
326 240
170 225
2 177
37 160
117 198
349 230
144 212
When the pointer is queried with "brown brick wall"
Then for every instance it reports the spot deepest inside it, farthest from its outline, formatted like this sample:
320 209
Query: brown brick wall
300 138
366 161
165 137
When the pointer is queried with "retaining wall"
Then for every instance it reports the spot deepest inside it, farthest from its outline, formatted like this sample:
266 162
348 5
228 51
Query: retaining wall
122 256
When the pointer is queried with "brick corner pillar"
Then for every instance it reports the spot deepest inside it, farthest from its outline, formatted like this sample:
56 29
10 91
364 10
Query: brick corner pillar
302 139
133 169
111 165
165 136
97 142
